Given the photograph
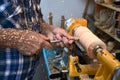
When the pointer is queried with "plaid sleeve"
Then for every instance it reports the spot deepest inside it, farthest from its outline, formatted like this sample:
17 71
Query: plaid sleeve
5 11
20 14
14 65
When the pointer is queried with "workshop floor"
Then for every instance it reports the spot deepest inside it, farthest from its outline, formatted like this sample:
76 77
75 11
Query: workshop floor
41 72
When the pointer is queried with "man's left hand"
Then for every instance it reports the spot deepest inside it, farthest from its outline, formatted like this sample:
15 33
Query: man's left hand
56 33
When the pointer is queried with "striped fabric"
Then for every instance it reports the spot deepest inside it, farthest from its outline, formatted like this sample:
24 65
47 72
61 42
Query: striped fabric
14 65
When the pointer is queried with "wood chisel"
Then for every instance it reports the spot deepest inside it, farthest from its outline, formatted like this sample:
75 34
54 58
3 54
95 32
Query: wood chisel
57 41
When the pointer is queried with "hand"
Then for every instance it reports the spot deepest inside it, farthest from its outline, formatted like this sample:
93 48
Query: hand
31 43
61 34
56 33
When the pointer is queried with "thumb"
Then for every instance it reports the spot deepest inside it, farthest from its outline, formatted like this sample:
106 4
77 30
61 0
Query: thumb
47 45
50 36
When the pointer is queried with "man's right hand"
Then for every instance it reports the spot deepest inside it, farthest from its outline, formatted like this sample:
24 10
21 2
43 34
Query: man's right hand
32 42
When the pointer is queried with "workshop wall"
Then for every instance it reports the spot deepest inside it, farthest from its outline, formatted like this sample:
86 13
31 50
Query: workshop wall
68 8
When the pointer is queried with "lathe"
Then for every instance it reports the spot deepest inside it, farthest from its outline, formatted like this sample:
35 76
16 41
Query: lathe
107 66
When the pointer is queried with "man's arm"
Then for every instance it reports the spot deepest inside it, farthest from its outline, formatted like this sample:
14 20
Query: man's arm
9 37
26 41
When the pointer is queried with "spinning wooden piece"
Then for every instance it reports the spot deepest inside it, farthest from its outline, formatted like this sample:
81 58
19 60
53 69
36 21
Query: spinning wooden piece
88 40
50 19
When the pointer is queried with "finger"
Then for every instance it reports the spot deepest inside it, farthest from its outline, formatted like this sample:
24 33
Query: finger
58 37
28 53
62 44
32 43
36 49
71 41
46 45
59 44
65 34
66 41
50 36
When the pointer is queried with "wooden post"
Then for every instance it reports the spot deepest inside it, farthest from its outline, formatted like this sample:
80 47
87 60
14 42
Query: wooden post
86 8
50 19
62 21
